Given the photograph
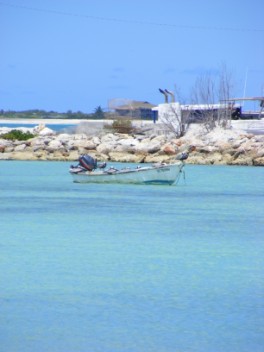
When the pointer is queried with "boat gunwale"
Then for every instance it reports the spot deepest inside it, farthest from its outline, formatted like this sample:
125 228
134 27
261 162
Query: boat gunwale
126 171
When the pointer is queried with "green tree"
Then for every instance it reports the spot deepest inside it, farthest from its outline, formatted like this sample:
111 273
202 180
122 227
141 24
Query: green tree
98 113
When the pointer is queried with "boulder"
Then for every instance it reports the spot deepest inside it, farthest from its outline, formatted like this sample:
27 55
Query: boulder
6 143
207 149
79 137
260 152
242 160
96 140
258 138
148 146
40 155
258 161
6 156
84 145
73 155
197 159
106 148
127 158
64 138
109 138
226 159
23 155
46 132
160 139
89 145
40 142
214 158
126 145
20 147
169 149
157 158
9 149
54 145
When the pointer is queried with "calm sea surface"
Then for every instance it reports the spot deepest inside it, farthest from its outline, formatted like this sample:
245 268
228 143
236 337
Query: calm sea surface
55 127
106 268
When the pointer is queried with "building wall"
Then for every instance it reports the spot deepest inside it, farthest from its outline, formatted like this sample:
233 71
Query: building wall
169 113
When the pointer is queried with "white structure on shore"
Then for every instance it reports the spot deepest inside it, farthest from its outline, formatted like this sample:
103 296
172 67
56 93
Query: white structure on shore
168 113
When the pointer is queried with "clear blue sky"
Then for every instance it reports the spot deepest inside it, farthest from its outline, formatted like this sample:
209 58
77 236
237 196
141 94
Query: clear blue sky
78 54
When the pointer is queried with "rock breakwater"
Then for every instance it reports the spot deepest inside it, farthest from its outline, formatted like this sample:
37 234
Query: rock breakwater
226 147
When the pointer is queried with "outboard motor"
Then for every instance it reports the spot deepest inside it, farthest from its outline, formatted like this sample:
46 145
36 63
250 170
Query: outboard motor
87 162
102 165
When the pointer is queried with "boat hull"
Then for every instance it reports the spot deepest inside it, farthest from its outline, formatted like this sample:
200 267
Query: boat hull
164 174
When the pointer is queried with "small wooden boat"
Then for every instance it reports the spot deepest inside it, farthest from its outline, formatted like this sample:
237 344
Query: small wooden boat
89 172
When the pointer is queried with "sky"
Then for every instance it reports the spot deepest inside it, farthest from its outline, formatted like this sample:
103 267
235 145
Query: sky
61 55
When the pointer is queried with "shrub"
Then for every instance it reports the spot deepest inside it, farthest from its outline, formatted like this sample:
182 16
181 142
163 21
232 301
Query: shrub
122 126
17 135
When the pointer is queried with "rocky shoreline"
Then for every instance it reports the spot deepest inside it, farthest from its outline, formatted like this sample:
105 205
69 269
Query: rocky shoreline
219 147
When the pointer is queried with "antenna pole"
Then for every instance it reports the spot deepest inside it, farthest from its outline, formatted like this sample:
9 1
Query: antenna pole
245 86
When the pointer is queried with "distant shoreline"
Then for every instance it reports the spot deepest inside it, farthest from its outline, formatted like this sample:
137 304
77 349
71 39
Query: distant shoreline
42 121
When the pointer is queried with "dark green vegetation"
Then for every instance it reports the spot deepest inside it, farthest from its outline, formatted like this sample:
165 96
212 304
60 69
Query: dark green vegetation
42 114
17 135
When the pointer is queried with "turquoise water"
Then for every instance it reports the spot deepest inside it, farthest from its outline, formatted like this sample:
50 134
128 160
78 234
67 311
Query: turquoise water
54 127
100 268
